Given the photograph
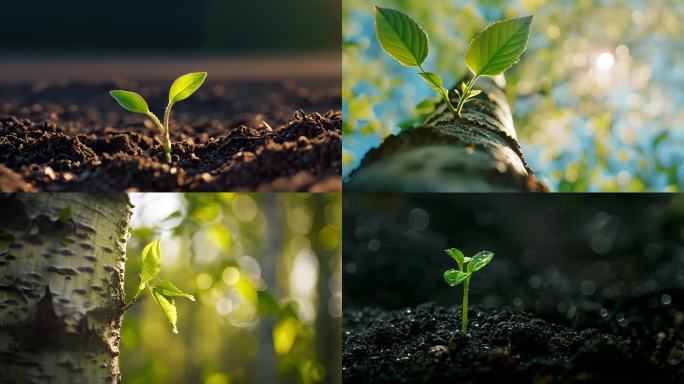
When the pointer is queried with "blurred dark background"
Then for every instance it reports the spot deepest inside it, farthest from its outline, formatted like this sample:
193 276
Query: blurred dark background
557 255
217 26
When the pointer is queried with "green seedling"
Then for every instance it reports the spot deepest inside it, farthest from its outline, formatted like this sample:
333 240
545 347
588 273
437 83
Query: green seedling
162 291
466 267
181 89
490 53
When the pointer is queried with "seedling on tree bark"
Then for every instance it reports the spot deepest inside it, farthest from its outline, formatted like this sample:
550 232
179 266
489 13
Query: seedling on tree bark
490 53
162 291
181 89
466 267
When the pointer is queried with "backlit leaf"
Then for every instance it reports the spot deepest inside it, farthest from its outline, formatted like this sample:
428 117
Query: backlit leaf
185 86
401 37
151 266
131 101
499 46
431 78
474 93
167 289
168 306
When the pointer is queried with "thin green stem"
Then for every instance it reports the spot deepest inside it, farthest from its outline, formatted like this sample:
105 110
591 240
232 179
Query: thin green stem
156 121
445 95
163 130
167 122
464 319
464 95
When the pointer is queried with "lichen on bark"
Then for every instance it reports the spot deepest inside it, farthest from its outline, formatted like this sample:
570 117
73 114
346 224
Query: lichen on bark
61 286
477 152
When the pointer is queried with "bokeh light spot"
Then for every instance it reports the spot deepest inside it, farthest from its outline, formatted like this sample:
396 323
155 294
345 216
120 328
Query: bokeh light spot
605 61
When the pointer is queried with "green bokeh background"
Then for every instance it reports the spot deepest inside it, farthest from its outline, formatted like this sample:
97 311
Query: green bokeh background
265 269
597 97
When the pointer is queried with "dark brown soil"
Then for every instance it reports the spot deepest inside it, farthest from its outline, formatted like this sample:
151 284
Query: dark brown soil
74 137
424 345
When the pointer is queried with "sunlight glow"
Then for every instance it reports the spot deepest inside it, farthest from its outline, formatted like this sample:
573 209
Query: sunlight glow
605 61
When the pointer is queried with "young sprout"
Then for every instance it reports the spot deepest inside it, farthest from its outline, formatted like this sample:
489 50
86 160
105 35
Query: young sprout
490 53
181 89
162 291
466 267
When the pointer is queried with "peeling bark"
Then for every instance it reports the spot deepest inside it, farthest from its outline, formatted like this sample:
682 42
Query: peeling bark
477 152
61 286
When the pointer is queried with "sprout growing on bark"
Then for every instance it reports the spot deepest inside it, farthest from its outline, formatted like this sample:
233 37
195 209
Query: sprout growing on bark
466 267
490 53
181 89
162 291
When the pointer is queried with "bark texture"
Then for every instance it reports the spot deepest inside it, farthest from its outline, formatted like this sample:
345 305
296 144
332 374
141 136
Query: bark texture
61 286
477 152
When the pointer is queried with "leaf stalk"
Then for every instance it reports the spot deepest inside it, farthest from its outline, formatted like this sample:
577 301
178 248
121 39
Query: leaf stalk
445 95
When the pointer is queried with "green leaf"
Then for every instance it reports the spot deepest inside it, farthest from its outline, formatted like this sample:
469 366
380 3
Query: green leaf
480 260
185 86
473 93
431 78
167 289
131 101
454 277
499 46
455 254
151 256
168 306
401 37
464 87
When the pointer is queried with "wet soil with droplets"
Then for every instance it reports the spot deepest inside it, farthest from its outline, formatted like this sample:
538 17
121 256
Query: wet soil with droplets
270 136
423 344
583 288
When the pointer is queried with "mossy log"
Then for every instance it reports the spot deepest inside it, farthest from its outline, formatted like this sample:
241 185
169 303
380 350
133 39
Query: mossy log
61 286
477 152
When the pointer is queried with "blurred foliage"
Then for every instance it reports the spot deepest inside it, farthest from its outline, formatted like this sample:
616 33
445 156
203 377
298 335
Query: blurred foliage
265 269
597 98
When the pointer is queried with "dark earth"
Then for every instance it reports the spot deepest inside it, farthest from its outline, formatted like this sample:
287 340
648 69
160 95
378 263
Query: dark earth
424 345
582 289
238 135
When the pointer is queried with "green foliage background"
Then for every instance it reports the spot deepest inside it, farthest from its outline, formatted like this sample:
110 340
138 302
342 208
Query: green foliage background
265 269
583 126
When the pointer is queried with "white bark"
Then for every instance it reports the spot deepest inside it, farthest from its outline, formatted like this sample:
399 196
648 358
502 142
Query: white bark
477 152
61 286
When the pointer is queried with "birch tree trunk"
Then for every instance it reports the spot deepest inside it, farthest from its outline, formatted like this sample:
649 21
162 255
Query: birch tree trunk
61 286
477 152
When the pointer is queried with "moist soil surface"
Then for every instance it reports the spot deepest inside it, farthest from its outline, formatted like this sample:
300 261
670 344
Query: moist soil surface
424 344
252 135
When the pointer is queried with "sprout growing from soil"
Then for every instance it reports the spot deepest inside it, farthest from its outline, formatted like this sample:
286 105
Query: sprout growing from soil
490 53
162 291
466 267
181 89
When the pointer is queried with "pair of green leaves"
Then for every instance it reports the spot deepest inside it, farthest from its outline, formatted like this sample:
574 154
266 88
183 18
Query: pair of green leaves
181 89
490 52
163 291
466 265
